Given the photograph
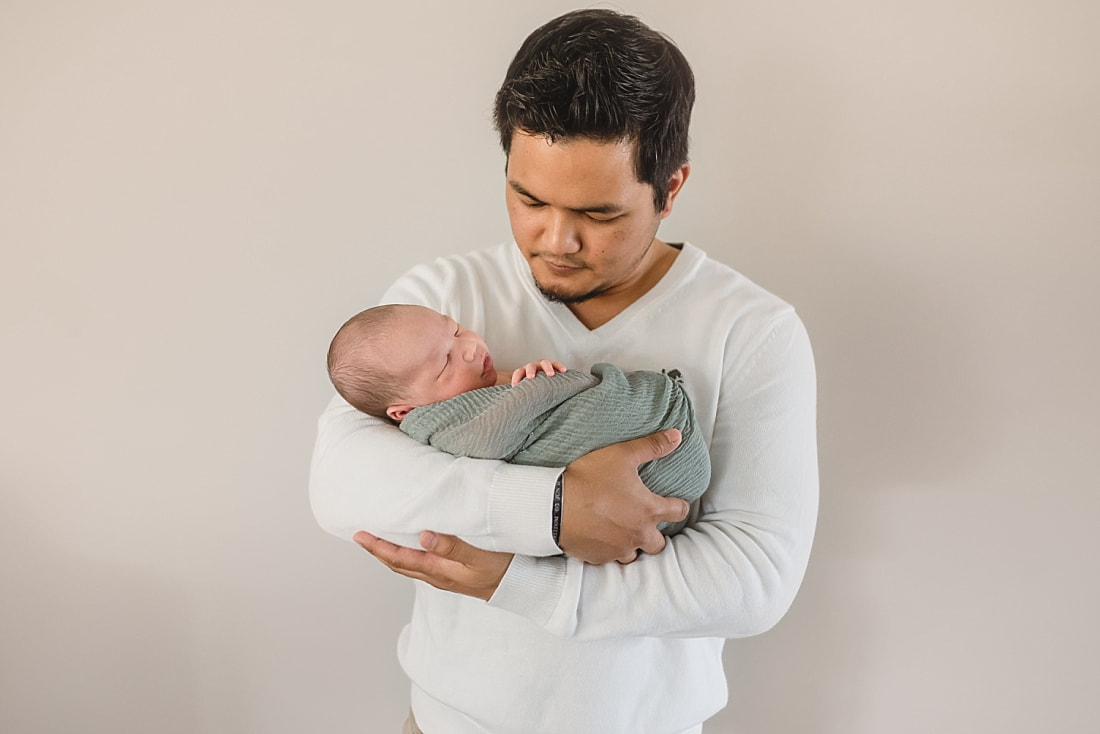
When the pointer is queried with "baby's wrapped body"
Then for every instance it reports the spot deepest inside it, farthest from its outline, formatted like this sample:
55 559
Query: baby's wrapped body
550 421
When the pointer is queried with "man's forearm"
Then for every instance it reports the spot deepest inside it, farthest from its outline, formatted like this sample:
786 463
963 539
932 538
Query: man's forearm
367 475
715 581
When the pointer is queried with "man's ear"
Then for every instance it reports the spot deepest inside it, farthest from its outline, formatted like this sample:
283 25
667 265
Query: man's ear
398 412
675 185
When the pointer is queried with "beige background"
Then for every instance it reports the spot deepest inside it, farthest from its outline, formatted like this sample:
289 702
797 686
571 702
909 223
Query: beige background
193 196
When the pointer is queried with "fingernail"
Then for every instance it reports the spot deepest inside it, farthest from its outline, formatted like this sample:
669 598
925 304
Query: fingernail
428 539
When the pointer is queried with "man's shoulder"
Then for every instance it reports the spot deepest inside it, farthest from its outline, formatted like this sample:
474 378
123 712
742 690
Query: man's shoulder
496 257
449 281
723 289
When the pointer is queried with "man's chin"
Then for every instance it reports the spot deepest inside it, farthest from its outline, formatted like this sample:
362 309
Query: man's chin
558 295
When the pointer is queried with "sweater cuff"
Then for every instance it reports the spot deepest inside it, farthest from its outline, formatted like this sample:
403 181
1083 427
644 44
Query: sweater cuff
531 588
521 507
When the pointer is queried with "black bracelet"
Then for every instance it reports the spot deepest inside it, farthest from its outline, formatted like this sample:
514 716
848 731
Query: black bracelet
555 517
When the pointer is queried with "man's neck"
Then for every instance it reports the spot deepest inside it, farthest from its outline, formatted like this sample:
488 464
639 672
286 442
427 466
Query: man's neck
597 311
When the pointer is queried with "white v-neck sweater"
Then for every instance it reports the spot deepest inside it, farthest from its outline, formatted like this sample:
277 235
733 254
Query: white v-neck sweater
564 646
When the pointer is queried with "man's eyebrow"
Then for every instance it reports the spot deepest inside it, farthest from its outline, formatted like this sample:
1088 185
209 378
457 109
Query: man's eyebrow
521 190
592 209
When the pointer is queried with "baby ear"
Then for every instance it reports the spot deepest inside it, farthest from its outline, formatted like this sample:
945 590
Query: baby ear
398 412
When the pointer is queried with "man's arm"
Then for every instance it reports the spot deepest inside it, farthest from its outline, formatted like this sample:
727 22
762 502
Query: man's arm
450 564
735 572
367 475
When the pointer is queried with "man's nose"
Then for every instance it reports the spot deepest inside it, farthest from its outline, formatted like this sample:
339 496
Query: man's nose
561 234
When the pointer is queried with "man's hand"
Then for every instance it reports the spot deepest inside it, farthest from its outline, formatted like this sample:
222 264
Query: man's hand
607 513
446 563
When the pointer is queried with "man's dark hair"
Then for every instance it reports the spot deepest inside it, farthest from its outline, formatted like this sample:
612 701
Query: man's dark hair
604 76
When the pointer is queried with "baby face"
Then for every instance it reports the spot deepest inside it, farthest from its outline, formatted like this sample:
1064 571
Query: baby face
438 358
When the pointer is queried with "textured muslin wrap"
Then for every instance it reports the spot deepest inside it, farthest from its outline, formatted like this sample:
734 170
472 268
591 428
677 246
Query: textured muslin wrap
550 421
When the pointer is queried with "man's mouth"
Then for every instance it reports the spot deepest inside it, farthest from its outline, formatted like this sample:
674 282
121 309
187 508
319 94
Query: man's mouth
561 268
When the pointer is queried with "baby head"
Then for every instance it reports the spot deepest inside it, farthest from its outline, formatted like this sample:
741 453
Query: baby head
387 360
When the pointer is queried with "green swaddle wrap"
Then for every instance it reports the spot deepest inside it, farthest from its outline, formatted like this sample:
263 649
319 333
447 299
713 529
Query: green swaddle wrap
550 421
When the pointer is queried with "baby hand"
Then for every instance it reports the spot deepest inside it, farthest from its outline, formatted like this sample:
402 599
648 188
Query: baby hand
529 370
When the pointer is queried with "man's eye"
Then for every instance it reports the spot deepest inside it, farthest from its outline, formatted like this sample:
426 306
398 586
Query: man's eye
601 218
533 204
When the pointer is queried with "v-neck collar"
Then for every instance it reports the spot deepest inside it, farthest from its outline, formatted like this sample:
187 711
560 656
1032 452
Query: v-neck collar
671 280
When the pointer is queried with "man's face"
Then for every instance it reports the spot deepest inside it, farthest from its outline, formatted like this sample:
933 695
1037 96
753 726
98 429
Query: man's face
580 216
436 358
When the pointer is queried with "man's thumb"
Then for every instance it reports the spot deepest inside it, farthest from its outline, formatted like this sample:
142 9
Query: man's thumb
656 445
443 545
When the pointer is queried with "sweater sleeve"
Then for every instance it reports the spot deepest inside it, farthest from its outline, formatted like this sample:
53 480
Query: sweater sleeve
367 475
735 571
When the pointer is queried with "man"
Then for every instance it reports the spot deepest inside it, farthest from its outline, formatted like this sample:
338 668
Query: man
507 635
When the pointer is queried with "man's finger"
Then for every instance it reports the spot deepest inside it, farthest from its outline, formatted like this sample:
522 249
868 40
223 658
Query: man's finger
391 554
653 446
444 546
453 549
428 540
654 544
672 509
628 558
365 539
405 561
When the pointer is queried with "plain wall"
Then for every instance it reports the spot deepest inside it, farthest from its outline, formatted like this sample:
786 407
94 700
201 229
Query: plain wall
194 195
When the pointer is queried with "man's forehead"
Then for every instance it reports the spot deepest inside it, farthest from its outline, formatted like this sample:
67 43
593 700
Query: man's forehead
589 173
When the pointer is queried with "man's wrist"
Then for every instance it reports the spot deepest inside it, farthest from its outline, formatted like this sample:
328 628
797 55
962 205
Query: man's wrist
520 505
555 517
